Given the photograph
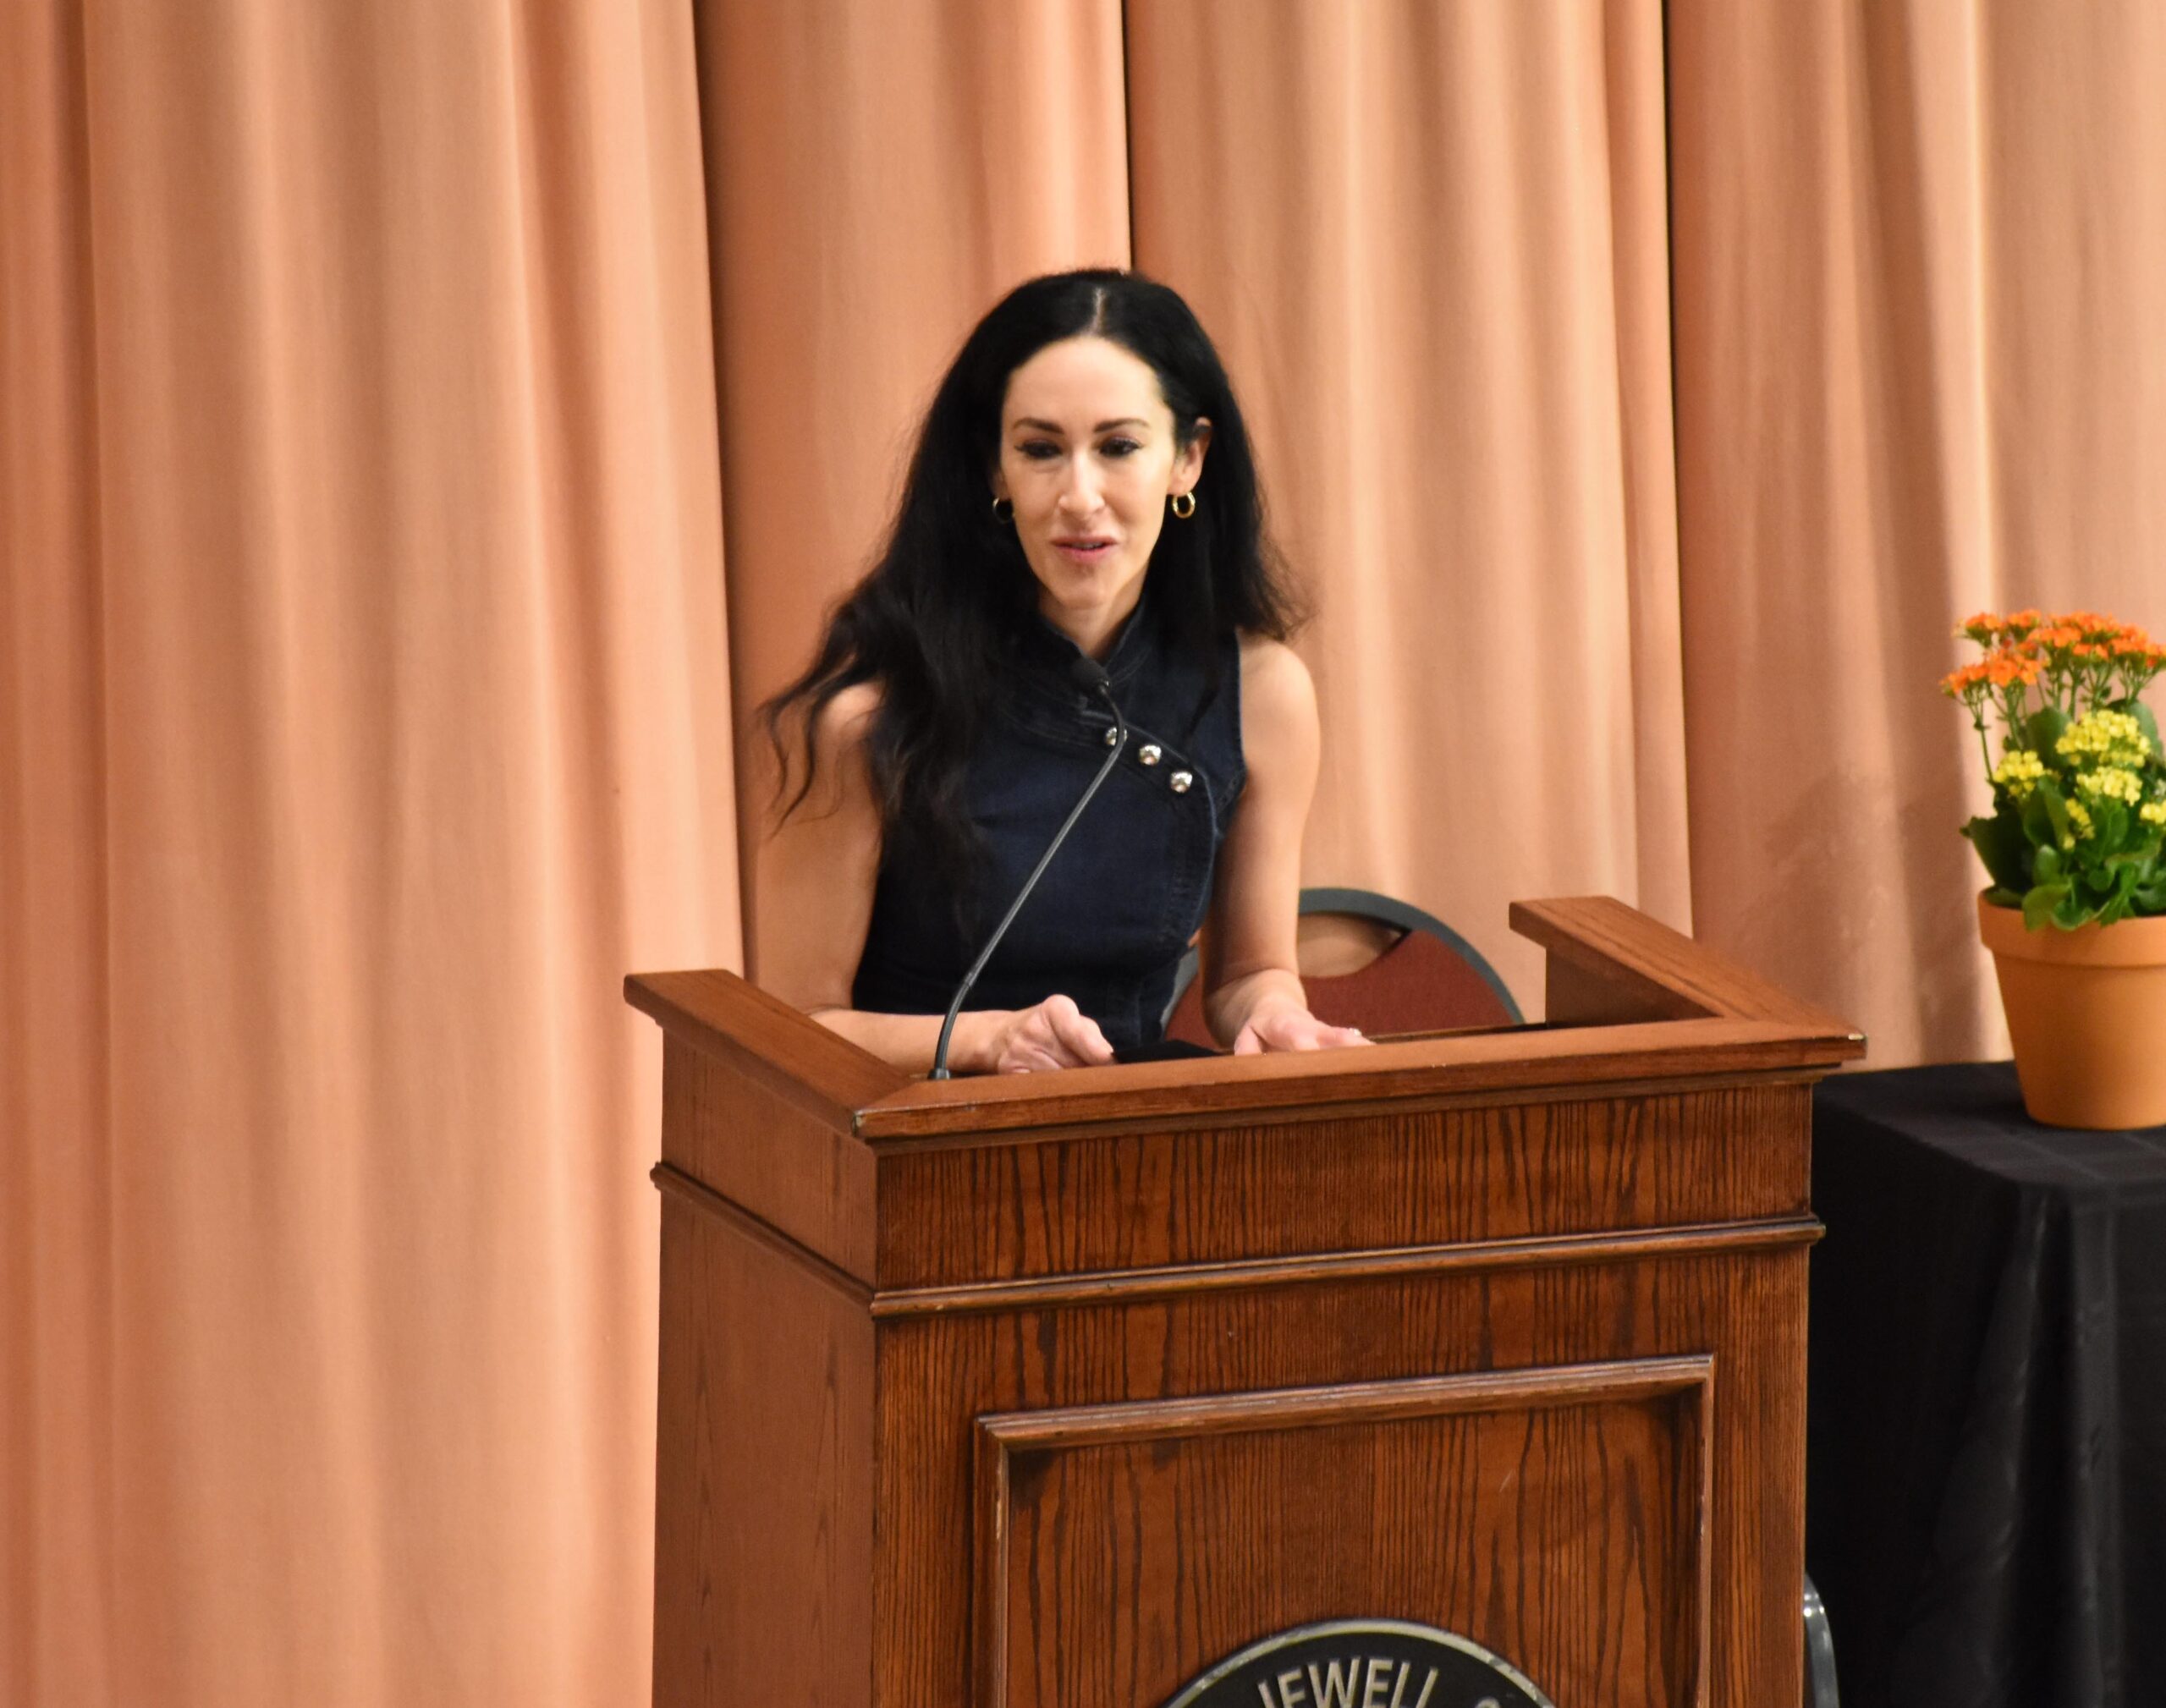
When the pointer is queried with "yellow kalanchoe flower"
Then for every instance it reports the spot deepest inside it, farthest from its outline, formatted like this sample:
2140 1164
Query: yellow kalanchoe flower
2153 812
2110 782
2080 816
2105 738
2019 772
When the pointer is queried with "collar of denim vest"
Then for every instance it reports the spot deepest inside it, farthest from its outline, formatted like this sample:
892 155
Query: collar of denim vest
1046 655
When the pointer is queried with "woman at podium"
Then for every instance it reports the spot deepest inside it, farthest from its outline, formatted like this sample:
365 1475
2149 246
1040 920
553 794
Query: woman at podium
1076 587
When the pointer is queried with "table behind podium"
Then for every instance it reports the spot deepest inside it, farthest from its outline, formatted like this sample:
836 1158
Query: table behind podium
1130 1385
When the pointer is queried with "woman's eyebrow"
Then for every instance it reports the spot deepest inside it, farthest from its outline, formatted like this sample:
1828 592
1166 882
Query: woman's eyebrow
1032 421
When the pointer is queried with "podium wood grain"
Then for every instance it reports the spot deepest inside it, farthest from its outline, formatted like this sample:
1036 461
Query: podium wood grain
1005 1393
1179 1528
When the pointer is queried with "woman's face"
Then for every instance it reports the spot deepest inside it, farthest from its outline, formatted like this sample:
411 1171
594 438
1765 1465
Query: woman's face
1088 457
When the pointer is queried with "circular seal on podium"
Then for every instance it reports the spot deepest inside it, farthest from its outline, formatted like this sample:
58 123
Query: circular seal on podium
1362 1663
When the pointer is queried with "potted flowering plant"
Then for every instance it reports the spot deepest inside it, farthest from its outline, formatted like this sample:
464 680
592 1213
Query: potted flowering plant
2076 847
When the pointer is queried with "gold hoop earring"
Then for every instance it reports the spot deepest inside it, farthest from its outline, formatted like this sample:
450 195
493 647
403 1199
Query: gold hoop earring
1003 509
1184 505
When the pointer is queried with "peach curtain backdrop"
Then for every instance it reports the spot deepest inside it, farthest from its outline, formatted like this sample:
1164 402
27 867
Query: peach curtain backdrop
365 712
1644 390
1920 253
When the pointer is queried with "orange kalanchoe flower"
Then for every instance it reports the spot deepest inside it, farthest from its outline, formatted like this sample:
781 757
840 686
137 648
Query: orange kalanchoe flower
2026 646
2088 626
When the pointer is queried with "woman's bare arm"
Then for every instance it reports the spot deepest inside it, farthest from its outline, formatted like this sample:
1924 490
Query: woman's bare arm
816 873
1253 986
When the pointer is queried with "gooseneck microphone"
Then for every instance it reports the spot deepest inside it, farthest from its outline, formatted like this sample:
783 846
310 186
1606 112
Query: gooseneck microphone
1089 675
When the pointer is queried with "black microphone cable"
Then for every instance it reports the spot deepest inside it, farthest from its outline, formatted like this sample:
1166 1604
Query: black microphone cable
1089 675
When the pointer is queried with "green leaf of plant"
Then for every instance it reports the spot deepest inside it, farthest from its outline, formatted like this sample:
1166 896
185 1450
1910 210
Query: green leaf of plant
2003 848
2046 866
2001 897
2038 823
2038 906
2043 730
2072 914
2049 797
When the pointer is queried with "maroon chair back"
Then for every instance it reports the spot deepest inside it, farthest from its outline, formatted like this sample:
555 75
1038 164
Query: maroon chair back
1419 984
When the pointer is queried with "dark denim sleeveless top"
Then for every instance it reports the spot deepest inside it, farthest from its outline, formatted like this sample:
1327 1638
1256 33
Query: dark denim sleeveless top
1108 922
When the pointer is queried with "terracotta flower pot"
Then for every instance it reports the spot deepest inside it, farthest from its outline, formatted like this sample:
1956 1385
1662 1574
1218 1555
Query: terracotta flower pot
2087 1011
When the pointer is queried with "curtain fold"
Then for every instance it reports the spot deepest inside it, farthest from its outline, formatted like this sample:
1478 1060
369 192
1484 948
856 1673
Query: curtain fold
1429 240
367 717
57 1540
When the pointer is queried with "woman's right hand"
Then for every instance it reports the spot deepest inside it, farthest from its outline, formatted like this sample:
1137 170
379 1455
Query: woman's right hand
1052 1034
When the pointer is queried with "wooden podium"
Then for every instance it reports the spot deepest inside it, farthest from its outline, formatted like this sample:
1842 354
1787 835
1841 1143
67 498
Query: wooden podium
1056 1391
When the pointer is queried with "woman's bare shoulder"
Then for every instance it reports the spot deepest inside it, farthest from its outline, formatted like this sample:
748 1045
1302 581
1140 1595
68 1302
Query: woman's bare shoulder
824 767
1278 696
841 726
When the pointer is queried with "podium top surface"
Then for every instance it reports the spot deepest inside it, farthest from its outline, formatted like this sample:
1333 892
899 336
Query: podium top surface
1630 1000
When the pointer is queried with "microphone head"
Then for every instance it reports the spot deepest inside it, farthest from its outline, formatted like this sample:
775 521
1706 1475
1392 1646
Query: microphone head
1089 675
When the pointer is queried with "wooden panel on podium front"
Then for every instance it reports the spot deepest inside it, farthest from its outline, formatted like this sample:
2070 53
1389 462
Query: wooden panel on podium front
1059 1389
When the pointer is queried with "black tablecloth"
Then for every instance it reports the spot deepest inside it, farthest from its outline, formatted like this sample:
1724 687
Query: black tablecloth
1986 1458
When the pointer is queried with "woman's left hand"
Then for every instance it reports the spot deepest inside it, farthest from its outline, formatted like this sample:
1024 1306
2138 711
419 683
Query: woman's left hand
1289 1028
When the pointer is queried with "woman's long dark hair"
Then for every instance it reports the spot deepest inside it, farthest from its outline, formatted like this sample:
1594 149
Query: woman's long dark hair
951 588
